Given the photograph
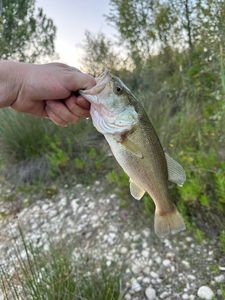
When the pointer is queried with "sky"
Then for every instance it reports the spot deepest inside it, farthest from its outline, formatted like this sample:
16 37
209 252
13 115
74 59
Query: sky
72 18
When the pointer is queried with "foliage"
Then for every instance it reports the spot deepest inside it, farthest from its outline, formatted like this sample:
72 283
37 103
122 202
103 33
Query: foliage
53 275
120 180
42 151
22 136
147 26
99 54
222 241
26 33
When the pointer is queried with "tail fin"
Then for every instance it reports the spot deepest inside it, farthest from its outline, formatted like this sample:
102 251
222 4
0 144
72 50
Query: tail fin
171 222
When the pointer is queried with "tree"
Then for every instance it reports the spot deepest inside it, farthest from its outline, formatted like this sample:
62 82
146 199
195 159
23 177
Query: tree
211 14
26 34
99 54
147 27
144 26
133 20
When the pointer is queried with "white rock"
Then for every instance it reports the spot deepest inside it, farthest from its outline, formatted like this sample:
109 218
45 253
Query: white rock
111 238
140 278
112 235
158 260
80 209
204 292
170 255
136 268
150 262
145 253
150 293
1 297
166 263
136 287
191 277
146 270
63 201
123 250
167 243
45 206
108 263
94 218
146 280
136 237
91 205
127 297
74 205
146 233
220 278
185 296
164 295
186 264
154 274
46 247
145 245
173 269
126 235
191 297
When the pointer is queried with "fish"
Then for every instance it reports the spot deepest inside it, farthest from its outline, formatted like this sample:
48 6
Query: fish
119 115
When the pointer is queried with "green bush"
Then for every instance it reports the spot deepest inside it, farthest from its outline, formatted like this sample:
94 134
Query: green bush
67 152
222 241
23 137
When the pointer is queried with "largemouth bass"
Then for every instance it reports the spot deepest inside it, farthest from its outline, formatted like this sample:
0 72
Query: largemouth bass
120 117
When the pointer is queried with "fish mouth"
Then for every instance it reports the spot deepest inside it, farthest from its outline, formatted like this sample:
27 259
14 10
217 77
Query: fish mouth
101 82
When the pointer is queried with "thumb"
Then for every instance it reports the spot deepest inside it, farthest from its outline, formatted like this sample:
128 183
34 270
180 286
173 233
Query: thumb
80 81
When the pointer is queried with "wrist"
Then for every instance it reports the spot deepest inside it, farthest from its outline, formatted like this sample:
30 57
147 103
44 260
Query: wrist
11 79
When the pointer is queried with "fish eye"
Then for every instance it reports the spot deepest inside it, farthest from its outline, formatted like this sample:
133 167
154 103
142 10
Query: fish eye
118 89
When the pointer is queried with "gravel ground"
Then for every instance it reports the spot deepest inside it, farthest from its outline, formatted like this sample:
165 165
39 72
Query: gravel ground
171 268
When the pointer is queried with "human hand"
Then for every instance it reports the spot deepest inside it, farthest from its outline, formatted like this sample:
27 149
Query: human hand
47 90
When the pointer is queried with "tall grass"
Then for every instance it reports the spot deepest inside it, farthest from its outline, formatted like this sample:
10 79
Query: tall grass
37 150
53 275
222 68
22 136
25 137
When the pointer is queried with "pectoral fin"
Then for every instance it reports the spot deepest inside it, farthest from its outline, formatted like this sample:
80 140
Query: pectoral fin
136 191
176 173
132 147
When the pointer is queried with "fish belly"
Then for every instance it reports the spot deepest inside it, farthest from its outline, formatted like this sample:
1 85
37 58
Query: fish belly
145 172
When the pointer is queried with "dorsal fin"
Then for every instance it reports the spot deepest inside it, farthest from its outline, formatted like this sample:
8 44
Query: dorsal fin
176 173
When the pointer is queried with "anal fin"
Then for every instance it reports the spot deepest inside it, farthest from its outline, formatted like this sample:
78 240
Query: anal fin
136 191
